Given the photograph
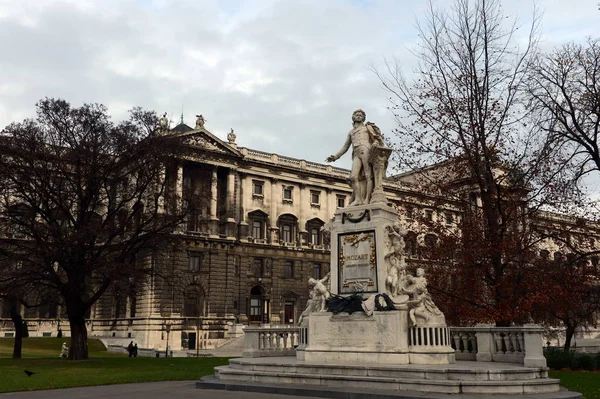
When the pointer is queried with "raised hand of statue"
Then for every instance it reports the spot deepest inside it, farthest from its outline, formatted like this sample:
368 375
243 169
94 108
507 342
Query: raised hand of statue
330 158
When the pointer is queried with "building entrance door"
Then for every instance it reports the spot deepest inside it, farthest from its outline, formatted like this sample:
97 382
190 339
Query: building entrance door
257 312
288 313
192 340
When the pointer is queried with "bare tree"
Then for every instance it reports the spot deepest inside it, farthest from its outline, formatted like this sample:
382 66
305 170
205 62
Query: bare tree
565 89
465 111
81 198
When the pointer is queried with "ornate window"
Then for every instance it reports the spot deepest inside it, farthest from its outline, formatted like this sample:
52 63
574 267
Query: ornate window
193 302
317 270
287 228
315 198
258 188
258 267
258 222
449 218
429 215
315 236
287 194
195 263
286 232
410 245
288 269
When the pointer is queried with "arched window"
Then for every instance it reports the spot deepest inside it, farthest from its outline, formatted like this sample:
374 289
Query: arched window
410 245
315 236
258 223
287 224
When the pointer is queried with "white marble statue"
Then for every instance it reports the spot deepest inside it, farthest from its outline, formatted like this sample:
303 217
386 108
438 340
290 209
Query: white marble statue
200 122
317 297
365 138
163 124
420 304
396 276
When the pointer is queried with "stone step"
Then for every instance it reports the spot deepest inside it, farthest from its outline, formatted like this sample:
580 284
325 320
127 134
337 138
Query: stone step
412 372
546 385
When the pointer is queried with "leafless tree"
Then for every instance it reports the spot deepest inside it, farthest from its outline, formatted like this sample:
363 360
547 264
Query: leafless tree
81 198
565 90
466 112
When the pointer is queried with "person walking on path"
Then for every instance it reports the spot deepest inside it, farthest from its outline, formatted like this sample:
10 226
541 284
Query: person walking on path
64 351
130 349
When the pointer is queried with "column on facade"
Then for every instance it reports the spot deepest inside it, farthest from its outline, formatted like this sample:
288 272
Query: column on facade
160 186
243 211
230 204
302 212
214 221
328 211
275 199
179 186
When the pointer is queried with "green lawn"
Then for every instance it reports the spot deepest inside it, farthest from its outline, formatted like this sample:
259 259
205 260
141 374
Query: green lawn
41 357
585 382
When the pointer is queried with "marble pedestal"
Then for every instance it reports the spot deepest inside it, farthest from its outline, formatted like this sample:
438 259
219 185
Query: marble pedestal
355 221
360 262
357 338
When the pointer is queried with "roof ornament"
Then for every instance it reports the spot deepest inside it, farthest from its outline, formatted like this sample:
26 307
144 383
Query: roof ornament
200 121
231 137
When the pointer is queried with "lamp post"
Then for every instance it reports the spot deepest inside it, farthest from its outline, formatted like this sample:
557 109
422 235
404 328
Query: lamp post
168 330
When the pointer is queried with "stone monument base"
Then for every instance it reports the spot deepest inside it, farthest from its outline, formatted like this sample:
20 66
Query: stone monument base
471 379
383 338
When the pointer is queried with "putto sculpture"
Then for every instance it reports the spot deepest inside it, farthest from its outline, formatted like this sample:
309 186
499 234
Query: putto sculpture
369 160
317 297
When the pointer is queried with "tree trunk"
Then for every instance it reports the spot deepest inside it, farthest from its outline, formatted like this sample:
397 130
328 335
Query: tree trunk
17 320
79 345
568 336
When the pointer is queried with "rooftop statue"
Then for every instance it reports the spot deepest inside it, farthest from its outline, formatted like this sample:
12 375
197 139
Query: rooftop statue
368 160
200 122
163 124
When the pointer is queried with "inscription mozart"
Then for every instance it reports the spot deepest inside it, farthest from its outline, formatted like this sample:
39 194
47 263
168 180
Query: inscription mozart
357 262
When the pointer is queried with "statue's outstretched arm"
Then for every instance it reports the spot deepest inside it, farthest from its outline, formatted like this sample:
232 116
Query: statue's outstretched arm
341 152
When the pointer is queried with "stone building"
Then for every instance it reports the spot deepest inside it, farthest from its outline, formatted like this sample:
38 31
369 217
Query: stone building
247 254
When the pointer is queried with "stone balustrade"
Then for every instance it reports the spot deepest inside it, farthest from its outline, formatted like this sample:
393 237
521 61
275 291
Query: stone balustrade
271 341
499 344
521 345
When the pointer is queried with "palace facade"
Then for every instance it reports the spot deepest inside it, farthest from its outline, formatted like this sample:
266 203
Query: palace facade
246 256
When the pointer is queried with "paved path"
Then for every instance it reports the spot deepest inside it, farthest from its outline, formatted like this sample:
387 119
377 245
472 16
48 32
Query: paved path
148 390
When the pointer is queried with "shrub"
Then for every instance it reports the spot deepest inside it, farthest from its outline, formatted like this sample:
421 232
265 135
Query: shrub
559 359
583 361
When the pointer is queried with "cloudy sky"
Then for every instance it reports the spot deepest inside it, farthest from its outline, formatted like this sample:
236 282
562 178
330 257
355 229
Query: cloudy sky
285 74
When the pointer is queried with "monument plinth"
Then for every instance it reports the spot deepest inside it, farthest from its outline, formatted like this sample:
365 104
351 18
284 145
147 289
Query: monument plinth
371 323
368 260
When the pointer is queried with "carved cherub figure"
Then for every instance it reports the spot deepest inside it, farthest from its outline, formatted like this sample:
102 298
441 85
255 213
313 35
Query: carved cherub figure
397 264
320 291
420 303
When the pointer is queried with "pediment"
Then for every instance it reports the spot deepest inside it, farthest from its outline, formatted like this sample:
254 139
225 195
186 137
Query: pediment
202 139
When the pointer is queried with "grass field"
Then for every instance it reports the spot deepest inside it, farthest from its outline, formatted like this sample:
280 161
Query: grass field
40 355
585 382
